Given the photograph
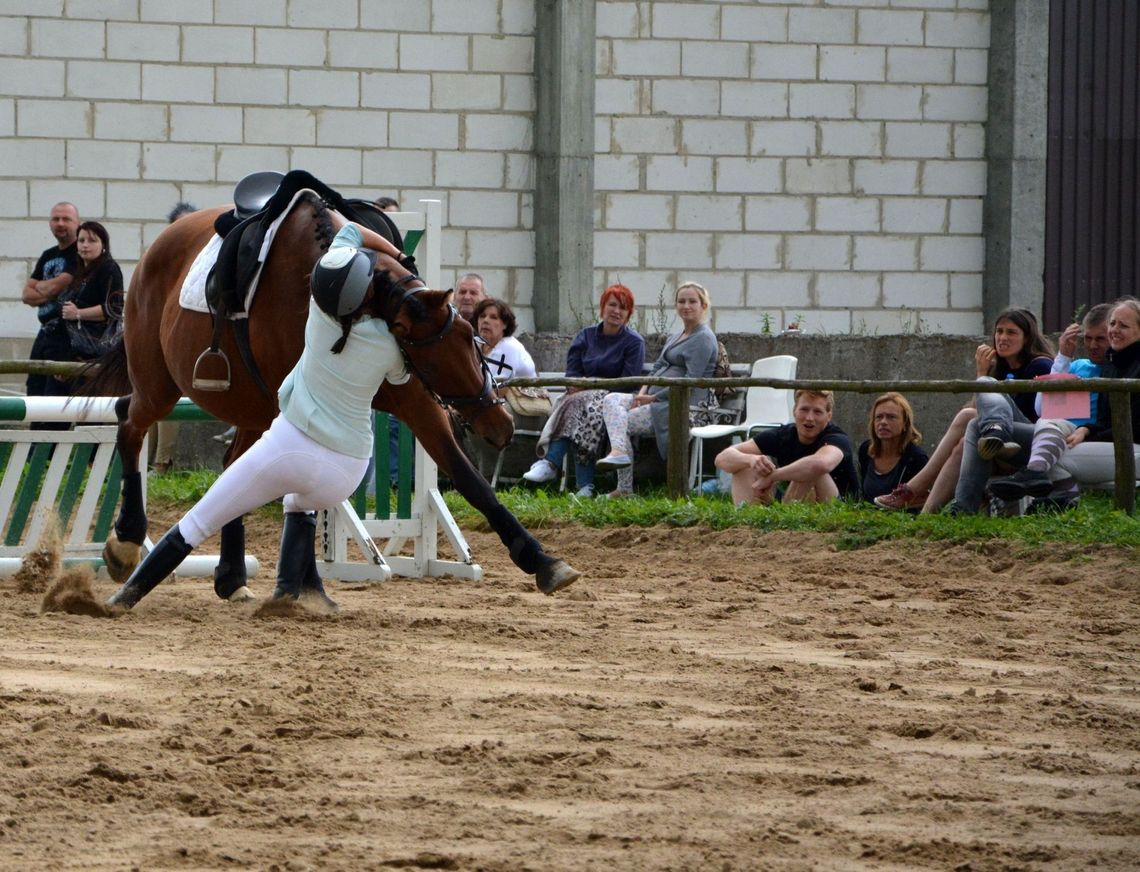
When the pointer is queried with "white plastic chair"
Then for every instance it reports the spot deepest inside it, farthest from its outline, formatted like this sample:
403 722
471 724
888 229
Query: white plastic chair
764 408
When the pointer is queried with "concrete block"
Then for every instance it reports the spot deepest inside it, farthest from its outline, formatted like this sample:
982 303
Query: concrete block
356 128
434 53
101 160
914 215
887 253
646 57
617 249
500 132
177 11
726 292
363 51
892 27
327 13
131 121
709 212
682 250
645 135
889 102
684 20
167 83
966 215
280 126
971 66
108 80
143 42
785 62
336 166
484 209
502 248
395 15
32 78
747 251
519 93
966 291
141 201
852 63
920 66
100 10
963 254
390 167
953 323
617 172
503 54
958 29
396 90
53 118
219 193
918 139
780 213
969 141
679 173
810 100
817 176
851 138
956 103
961 178
14 200
178 161
638 212
886 177
821 26
784 138
753 24
617 20
459 169
88 196
681 97
517 17
915 290
266 13
14 36
714 137
313 88
290 48
465 16
623 96
754 99
206 123
27 238
828 321
721 60
237 161
817 251
603 134
423 130
209 44
850 289
7 117
62 37
779 289
520 172
857 214
748 175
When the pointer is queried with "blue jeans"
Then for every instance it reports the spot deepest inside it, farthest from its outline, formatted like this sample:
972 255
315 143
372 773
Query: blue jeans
993 409
556 453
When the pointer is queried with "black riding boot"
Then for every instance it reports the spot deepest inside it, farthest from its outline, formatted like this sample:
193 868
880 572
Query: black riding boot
313 585
163 559
297 565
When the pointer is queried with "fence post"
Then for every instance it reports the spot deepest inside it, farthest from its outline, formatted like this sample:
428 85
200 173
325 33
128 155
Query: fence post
677 468
1125 491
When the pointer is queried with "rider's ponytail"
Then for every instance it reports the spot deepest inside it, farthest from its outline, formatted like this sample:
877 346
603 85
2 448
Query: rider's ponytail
345 327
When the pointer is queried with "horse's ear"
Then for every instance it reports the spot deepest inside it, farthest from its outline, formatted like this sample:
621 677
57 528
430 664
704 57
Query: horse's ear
435 299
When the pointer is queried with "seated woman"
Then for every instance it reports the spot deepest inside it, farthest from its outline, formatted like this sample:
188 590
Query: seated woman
892 455
690 353
495 323
1019 351
608 349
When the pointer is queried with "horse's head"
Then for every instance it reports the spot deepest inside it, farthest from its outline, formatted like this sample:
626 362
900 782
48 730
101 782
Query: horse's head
440 349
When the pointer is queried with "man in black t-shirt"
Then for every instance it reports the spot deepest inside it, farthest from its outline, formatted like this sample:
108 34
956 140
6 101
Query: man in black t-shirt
811 455
51 277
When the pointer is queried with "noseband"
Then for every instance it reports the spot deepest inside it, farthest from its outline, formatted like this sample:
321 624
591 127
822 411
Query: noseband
401 292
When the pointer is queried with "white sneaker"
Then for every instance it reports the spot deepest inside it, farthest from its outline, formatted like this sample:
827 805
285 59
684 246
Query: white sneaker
541 470
586 492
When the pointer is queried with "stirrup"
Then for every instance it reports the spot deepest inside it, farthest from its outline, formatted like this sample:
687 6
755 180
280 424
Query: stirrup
211 384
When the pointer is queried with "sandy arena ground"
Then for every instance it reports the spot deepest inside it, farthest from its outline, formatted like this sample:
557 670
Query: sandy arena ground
702 700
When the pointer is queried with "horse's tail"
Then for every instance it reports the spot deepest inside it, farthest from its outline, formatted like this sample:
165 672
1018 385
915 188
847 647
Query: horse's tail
105 376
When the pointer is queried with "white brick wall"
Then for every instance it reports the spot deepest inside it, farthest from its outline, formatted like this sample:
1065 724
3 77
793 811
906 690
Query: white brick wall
824 160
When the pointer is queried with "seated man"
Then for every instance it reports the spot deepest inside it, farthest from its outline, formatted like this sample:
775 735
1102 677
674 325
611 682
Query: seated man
811 454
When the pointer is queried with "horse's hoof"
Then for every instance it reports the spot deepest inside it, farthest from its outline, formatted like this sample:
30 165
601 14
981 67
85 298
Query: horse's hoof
120 558
556 576
242 595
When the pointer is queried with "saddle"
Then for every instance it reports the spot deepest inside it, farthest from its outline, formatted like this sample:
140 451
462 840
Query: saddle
259 200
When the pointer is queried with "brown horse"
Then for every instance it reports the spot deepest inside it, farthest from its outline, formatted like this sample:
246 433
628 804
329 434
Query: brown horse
154 365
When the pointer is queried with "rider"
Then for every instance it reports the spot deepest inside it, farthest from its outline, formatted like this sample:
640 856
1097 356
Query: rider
318 446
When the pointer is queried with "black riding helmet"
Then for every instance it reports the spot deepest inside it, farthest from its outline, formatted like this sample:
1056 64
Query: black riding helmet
341 278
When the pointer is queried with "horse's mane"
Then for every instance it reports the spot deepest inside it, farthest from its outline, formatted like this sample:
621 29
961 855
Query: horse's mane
412 303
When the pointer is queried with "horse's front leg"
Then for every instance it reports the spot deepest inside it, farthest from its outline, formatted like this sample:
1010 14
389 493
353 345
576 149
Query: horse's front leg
121 552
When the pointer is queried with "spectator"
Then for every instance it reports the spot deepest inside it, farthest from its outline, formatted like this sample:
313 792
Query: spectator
608 349
52 275
95 296
892 454
387 204
690 353
811 455
506 356
469 293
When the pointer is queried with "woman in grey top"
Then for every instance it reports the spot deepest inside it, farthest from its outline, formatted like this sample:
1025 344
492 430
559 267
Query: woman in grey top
690 353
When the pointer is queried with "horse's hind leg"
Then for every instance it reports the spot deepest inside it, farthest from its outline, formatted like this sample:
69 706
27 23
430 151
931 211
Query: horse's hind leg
121 553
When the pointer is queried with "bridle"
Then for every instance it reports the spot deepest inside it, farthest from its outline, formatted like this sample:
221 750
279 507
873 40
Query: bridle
400 291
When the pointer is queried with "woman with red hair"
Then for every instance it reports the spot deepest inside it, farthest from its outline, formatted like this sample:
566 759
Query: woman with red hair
608 349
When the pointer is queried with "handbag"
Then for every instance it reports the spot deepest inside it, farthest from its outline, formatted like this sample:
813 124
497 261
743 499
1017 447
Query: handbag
89 344
529 402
